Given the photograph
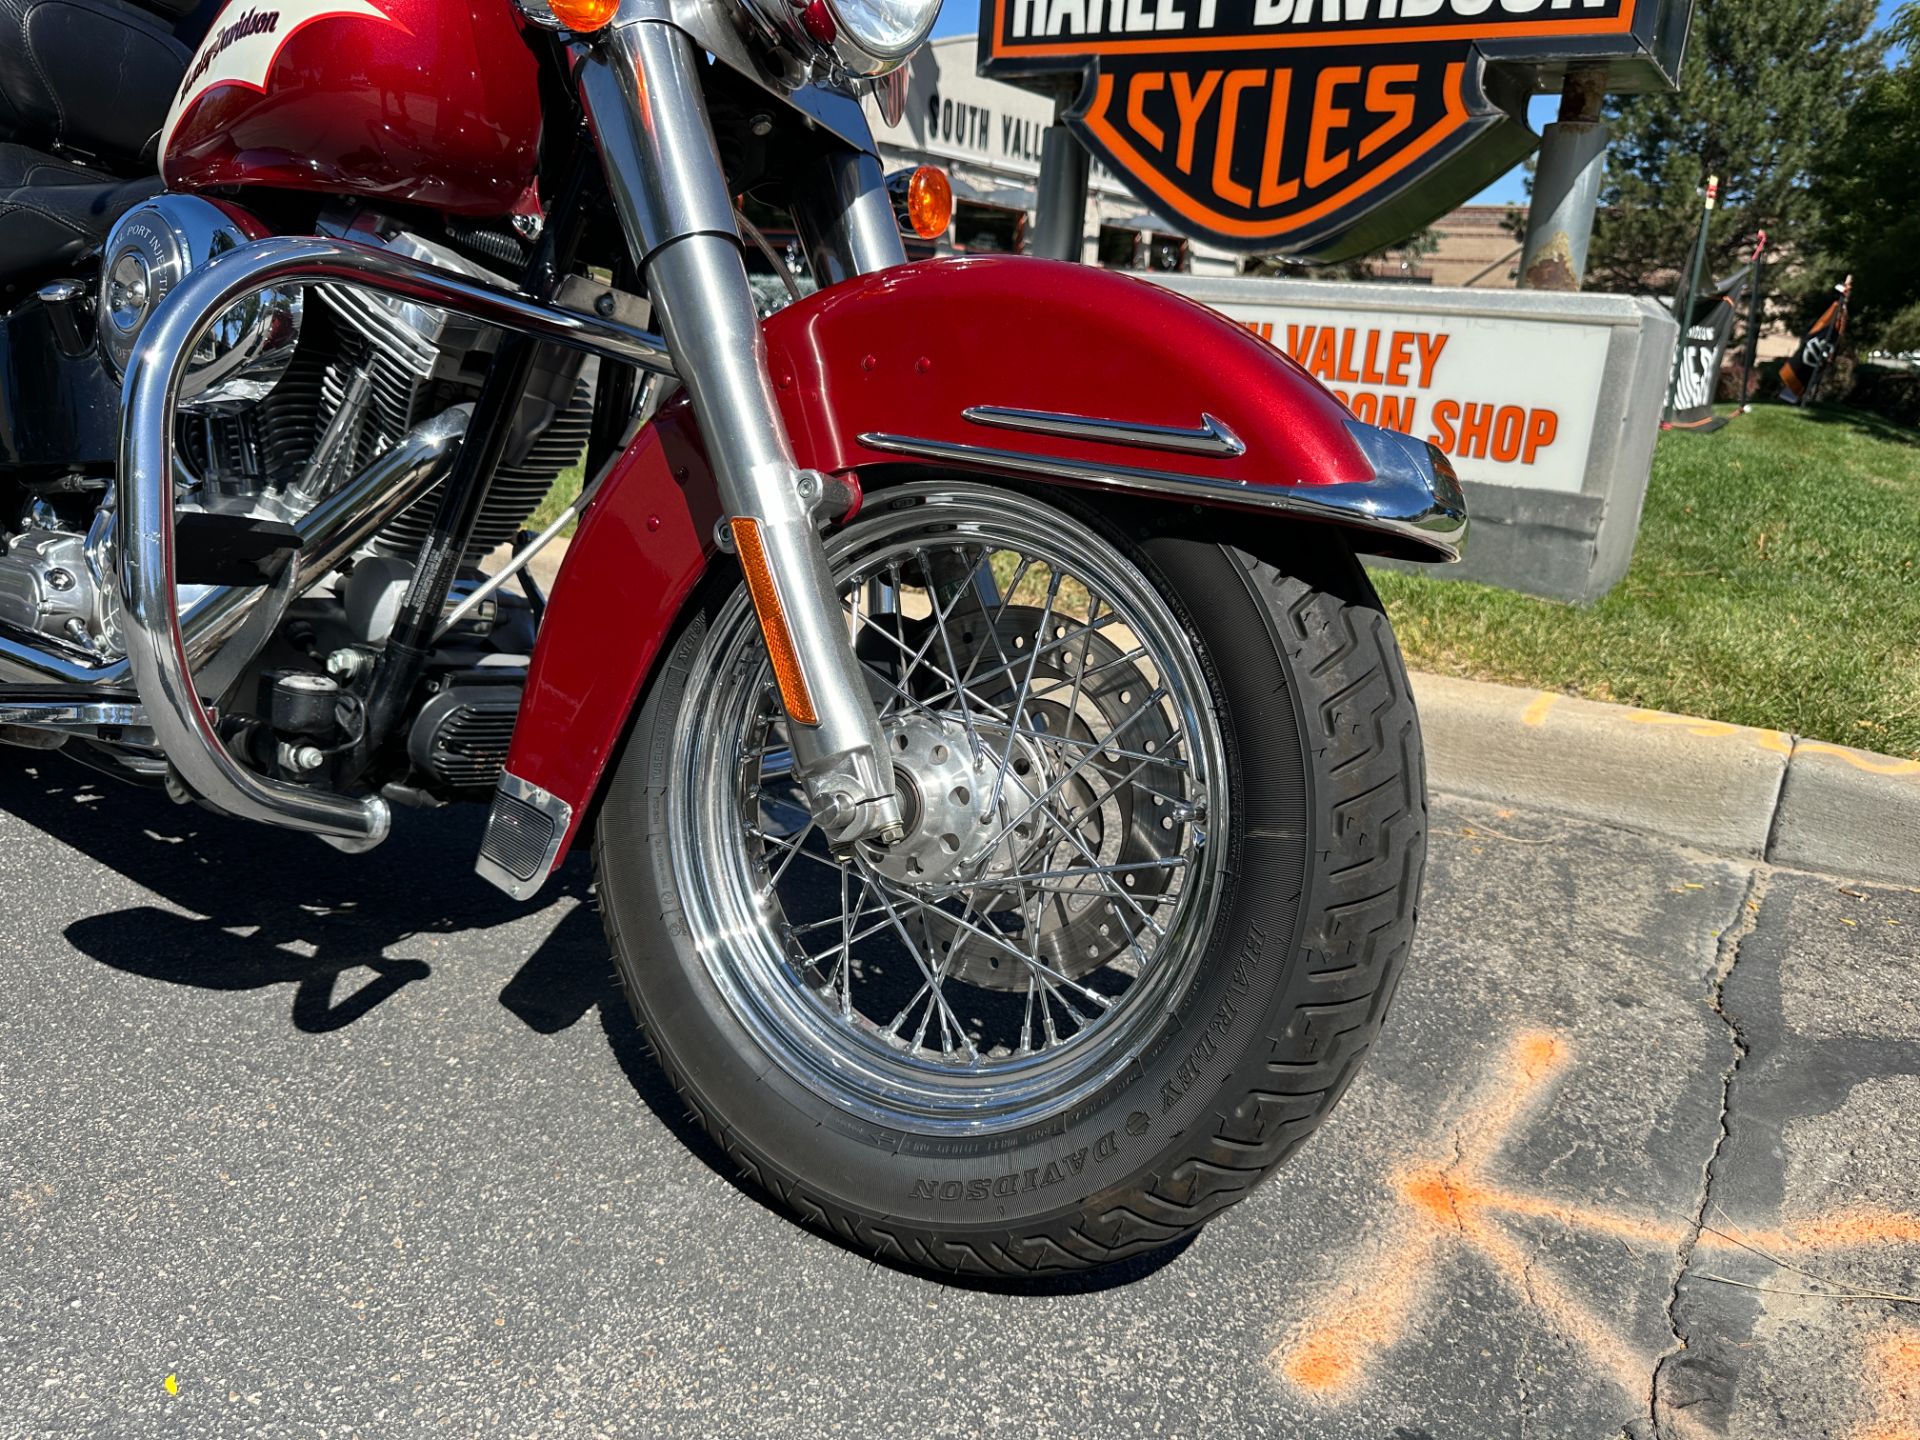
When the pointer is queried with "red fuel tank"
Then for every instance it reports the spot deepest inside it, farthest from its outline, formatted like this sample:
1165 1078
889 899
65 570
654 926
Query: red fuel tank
421 102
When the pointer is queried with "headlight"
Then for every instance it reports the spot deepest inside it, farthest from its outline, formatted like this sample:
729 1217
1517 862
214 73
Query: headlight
868 37
885 32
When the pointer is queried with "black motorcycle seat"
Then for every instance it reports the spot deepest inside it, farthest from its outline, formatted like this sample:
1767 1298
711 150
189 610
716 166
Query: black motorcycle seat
88 77
52 211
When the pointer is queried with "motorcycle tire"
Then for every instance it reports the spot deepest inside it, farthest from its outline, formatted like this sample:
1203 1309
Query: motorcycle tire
1315 829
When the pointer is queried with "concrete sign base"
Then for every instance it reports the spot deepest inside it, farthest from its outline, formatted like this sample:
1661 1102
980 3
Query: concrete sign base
1548 405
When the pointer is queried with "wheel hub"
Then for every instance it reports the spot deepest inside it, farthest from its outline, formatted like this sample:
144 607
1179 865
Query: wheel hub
955 828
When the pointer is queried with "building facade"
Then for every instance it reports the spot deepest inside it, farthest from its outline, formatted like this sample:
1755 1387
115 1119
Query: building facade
986 135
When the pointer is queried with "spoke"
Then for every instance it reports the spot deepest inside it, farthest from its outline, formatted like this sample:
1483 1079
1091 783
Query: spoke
1112 752
1008 664
1020 697
1073 838
908 1009
1002 943
999 614
799 842
848 934
1124 780
919 959
1025 877
820 860
846 948
914 661
1158 694
1086 641
946 642
1081 892
1106 879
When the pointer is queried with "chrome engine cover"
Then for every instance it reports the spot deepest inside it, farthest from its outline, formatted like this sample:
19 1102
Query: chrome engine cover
50 583
148 251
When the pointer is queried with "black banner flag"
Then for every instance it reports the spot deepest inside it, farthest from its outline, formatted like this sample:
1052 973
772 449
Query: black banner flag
1800 376
1702 349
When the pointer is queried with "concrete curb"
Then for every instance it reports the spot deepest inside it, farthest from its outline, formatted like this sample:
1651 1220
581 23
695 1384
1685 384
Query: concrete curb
1728 789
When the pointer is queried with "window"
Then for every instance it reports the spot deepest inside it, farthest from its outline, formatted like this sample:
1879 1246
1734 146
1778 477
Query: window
1119 248
1168 252
993 229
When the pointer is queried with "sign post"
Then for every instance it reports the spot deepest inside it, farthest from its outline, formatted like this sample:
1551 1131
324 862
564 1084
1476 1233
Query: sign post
1566 186
1060 209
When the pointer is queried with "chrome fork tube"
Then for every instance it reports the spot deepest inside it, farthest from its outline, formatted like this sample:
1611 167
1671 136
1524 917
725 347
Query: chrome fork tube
640 85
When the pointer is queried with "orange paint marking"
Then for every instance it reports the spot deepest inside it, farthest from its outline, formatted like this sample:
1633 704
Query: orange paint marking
1863 759
1446 1206
1842 1230
1371 1311
1895 1370
1369 1317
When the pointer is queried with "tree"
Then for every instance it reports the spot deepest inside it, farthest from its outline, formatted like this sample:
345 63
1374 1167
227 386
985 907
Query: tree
1765 88
1869 195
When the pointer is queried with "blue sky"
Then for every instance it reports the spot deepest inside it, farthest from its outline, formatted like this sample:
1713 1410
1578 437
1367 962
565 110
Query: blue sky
961 17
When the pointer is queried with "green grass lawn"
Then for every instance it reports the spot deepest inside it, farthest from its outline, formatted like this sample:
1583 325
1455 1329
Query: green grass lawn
1776 582
559 496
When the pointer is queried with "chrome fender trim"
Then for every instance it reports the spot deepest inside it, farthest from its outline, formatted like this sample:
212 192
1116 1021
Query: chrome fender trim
1414 497
1210 437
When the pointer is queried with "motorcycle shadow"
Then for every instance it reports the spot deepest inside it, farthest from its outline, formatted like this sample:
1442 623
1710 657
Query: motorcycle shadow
266 907
247 907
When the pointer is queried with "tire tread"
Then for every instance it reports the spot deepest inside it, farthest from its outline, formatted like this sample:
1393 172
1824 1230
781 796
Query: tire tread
1363 890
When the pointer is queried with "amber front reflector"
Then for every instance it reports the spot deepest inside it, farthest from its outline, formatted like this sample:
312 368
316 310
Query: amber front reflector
583 16
773 622
929 202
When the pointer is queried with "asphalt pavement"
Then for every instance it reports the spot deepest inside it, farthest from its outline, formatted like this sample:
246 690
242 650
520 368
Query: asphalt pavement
302 1144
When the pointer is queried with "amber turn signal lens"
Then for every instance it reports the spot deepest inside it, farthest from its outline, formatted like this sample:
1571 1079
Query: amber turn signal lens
583 16
929 202
773 622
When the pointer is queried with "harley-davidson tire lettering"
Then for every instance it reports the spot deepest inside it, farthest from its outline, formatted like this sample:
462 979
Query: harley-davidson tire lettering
1037 1177
1220 1022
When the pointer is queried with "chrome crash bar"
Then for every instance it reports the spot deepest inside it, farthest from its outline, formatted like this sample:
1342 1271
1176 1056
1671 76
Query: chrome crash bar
329 532
149 616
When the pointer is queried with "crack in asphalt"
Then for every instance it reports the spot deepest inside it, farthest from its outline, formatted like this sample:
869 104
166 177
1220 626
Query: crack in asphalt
1746 919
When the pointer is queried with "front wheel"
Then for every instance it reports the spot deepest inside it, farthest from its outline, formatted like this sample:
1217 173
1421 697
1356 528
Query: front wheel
1166 824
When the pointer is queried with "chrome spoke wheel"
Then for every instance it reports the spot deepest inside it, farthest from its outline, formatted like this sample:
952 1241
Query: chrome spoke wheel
1060 761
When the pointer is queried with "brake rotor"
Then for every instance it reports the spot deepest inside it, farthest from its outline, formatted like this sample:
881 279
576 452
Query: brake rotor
1073 796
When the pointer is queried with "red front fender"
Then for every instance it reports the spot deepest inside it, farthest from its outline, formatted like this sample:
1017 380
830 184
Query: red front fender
886 368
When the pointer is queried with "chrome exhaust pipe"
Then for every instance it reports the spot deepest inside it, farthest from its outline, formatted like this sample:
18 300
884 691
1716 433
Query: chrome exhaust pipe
329 532
149 618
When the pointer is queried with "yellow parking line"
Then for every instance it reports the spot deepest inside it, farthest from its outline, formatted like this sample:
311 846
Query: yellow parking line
1861 760
1536 713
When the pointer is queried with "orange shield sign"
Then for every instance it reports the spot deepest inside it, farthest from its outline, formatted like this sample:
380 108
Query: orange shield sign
1322 128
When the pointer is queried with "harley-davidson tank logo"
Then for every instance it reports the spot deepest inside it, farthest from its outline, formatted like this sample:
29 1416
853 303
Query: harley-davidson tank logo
1313 127
245 41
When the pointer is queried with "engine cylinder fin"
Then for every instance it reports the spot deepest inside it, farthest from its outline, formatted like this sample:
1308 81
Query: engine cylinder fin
517 489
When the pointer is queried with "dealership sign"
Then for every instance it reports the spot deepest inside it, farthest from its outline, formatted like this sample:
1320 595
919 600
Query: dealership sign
1511 401
1321 128
1546 403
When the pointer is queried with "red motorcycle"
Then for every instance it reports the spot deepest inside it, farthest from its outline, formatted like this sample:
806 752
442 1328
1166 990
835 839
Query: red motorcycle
1003 786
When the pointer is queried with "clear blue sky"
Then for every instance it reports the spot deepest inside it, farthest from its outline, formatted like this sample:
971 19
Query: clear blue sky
962 17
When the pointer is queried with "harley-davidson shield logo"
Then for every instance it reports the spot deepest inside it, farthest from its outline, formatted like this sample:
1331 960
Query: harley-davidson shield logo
1317 127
